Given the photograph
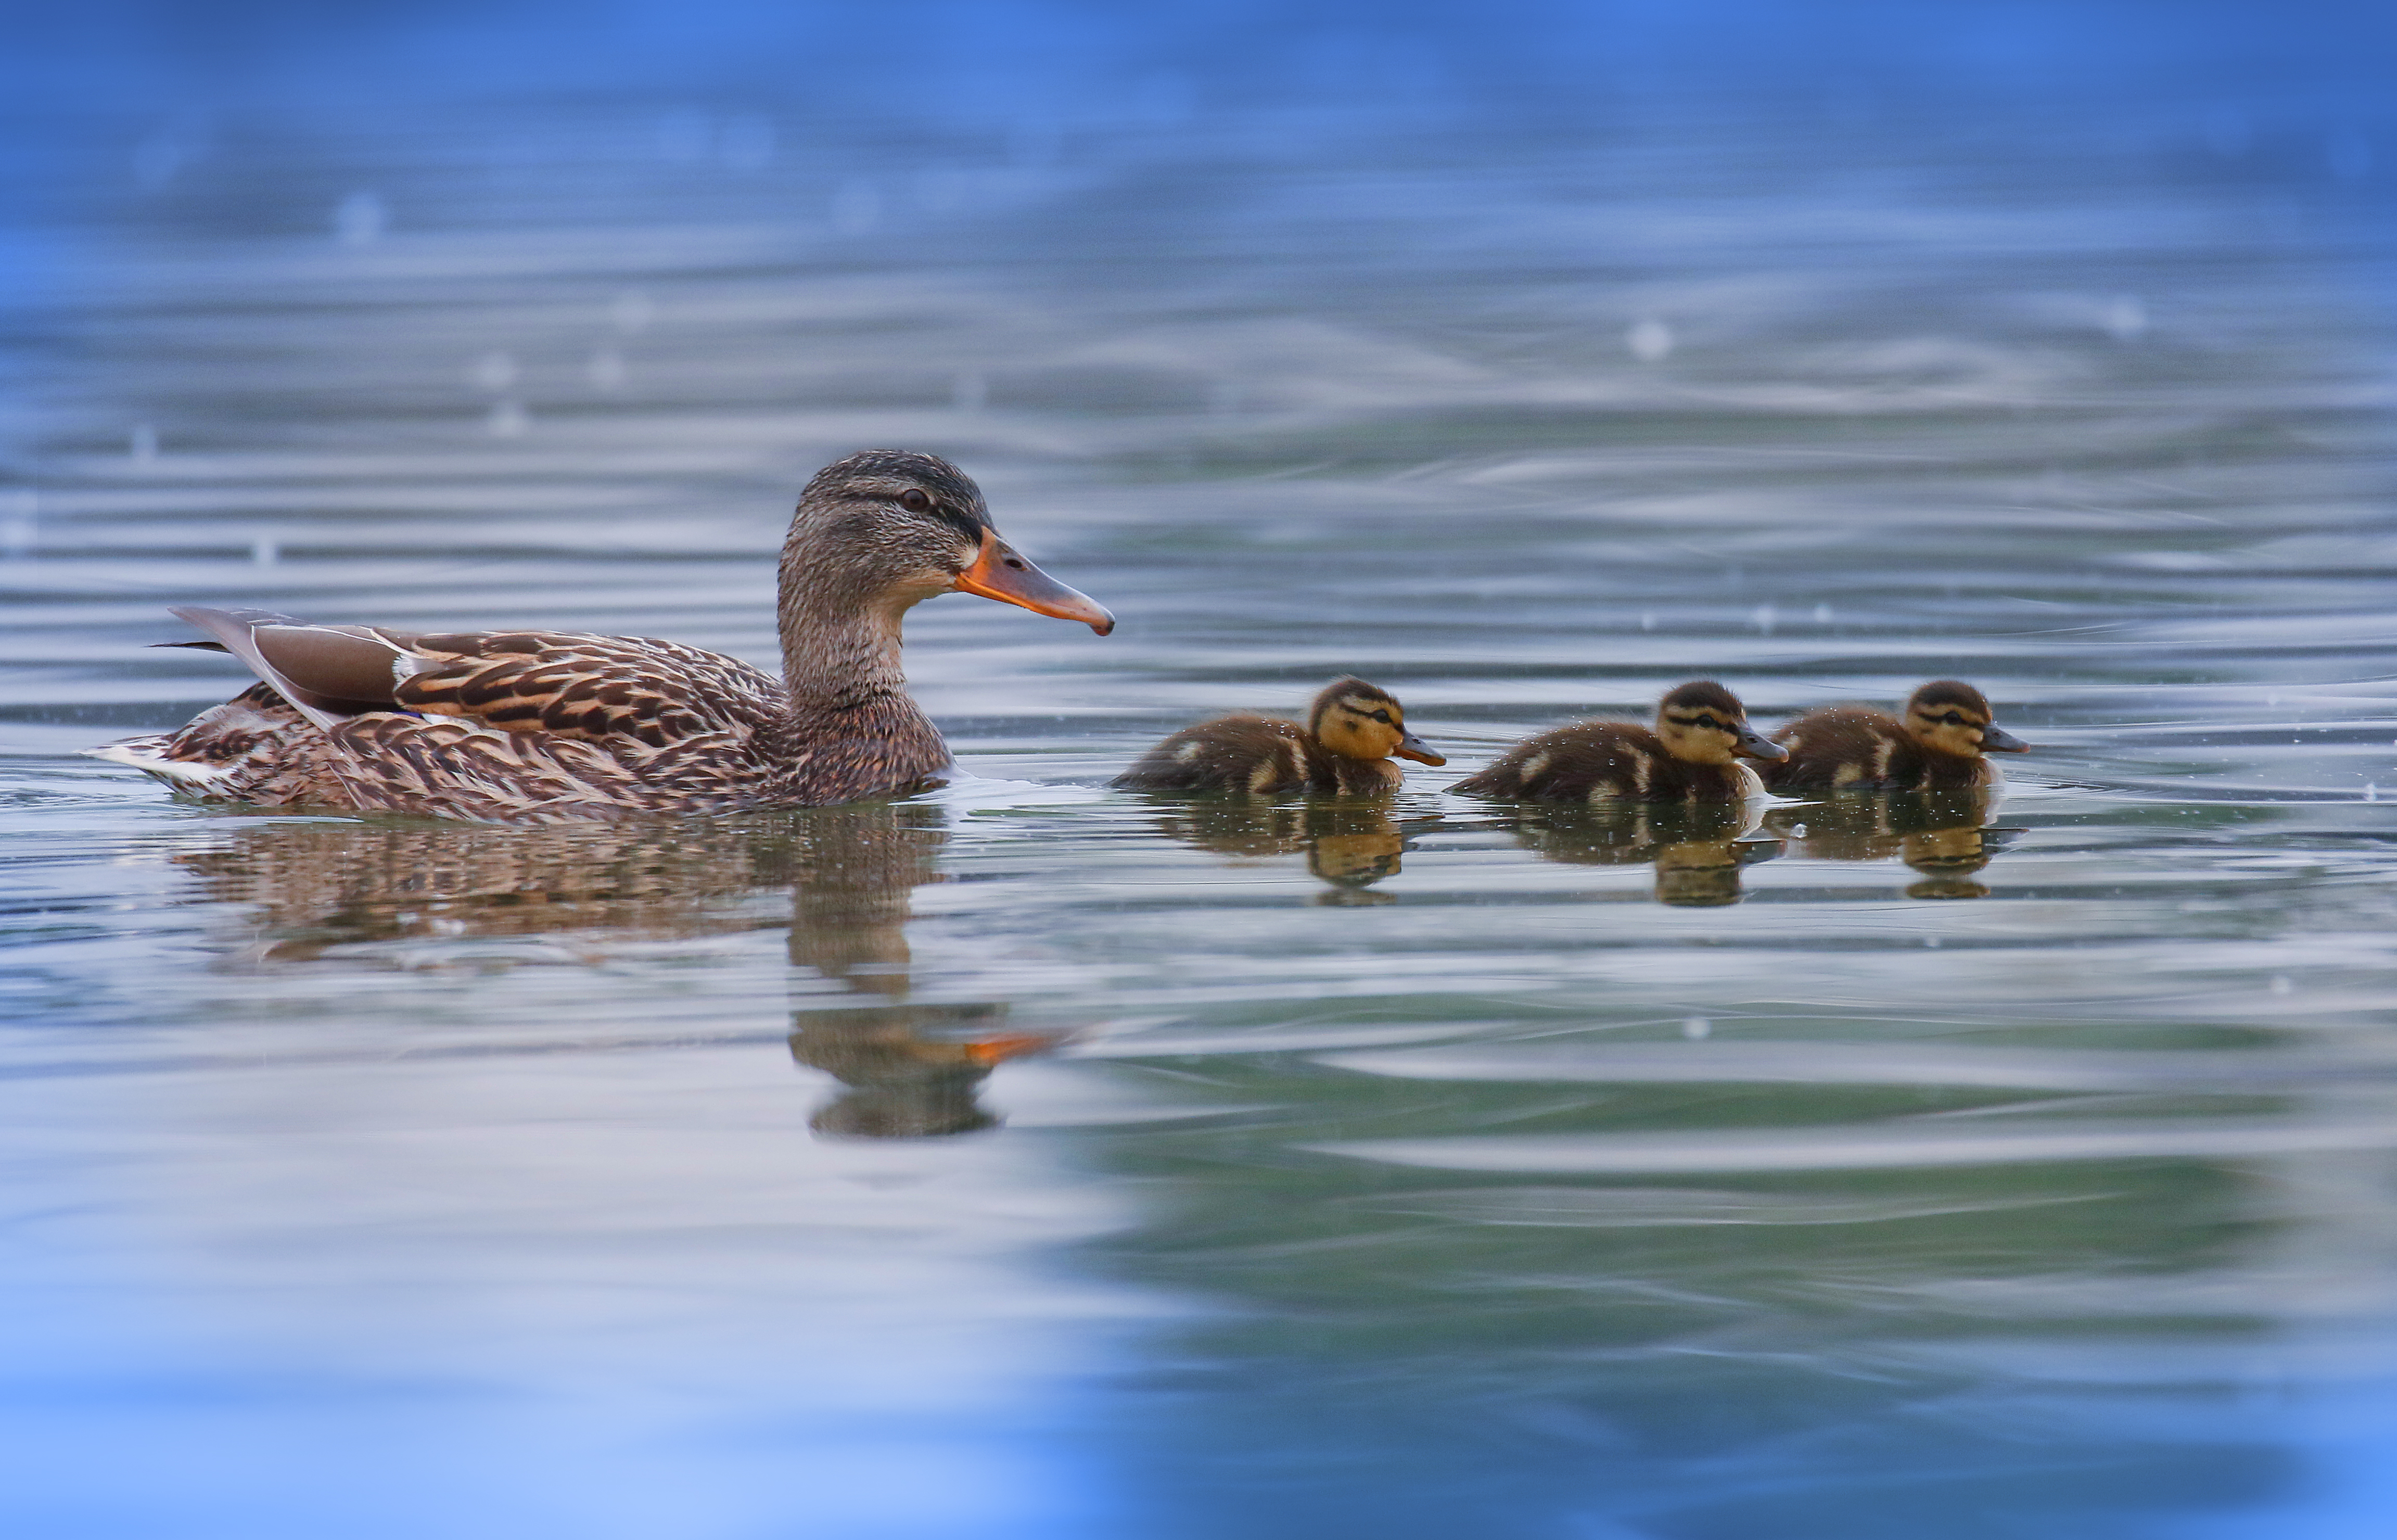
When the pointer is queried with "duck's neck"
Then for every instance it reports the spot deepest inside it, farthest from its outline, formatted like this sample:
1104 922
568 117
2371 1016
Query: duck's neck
841 650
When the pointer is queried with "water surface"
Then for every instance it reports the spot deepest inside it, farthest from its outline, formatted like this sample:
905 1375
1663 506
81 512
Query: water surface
1030 1159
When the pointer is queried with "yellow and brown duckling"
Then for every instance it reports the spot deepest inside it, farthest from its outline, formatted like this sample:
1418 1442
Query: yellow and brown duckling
1691 754
522 726
1938 745
1352 731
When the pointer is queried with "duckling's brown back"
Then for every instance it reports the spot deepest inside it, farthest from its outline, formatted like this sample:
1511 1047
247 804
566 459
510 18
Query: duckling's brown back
1248 754
1845 747
1574 762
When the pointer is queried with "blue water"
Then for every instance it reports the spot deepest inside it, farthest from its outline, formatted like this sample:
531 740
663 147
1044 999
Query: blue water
1036 1159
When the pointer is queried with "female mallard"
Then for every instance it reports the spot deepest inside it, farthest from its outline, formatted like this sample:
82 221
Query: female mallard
1692 755
1351 731
548 726
1938 746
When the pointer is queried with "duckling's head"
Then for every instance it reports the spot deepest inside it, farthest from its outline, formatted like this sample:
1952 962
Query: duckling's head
1703 723
1361 721
1949 716
888 529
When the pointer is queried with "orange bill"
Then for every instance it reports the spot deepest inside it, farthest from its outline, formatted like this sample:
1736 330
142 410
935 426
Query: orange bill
1412 747
999 573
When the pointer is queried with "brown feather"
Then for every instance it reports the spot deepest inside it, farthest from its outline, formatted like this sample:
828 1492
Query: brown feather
547 727
1835 746
1596 761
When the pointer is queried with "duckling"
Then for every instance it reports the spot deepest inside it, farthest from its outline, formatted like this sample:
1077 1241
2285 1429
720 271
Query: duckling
1693 755
544 727
1352 729
1938 746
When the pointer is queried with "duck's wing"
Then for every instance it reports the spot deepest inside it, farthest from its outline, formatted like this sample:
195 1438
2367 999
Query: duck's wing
630 692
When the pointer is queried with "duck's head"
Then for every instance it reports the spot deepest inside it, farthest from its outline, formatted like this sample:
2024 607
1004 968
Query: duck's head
1705 724
1949 716
1361 721
895 526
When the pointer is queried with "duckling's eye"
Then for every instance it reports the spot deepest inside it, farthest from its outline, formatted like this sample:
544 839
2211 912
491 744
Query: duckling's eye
914 501
1709 723
1382 717
1953 720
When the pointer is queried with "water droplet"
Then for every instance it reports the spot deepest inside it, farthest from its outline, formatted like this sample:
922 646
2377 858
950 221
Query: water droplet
1762 617
1647 620
1695 1027
1822 614
493 371
1650 342
1797 830
361 220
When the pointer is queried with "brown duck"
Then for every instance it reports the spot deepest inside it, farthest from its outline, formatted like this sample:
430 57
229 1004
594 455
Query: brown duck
1691 754
1352 729
549 726
1938 745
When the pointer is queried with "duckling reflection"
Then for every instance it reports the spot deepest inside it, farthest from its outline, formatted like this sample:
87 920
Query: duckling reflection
312 887
908 1070
1349 845
1698 847
1944 835
841 878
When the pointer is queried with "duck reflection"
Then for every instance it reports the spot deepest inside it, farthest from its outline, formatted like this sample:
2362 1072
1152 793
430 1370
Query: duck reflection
908 1070
1944 835
352 889
1348 845
1699 849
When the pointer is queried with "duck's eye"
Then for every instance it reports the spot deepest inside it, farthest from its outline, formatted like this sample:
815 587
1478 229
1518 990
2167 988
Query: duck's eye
914 501
1710 723
1382 717
1953 720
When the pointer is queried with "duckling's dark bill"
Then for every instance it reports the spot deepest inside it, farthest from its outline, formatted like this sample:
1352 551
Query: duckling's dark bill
1753 744
999 573
1414 748
1997 740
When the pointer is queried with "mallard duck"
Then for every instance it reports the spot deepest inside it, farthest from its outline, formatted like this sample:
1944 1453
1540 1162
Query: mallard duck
1937 746
1352 729
1693 755
548 726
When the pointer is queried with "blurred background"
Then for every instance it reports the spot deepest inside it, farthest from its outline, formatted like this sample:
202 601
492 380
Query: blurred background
1028 1159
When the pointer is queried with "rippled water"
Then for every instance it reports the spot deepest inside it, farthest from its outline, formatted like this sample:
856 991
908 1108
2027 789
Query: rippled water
1033 1158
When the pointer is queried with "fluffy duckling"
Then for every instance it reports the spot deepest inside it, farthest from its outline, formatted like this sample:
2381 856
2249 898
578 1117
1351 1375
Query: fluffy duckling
1352 729
1937 746
1693 755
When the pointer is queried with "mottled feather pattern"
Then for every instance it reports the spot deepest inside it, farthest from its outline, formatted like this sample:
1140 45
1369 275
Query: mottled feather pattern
1260 755
1603 761
572 685
1836 746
